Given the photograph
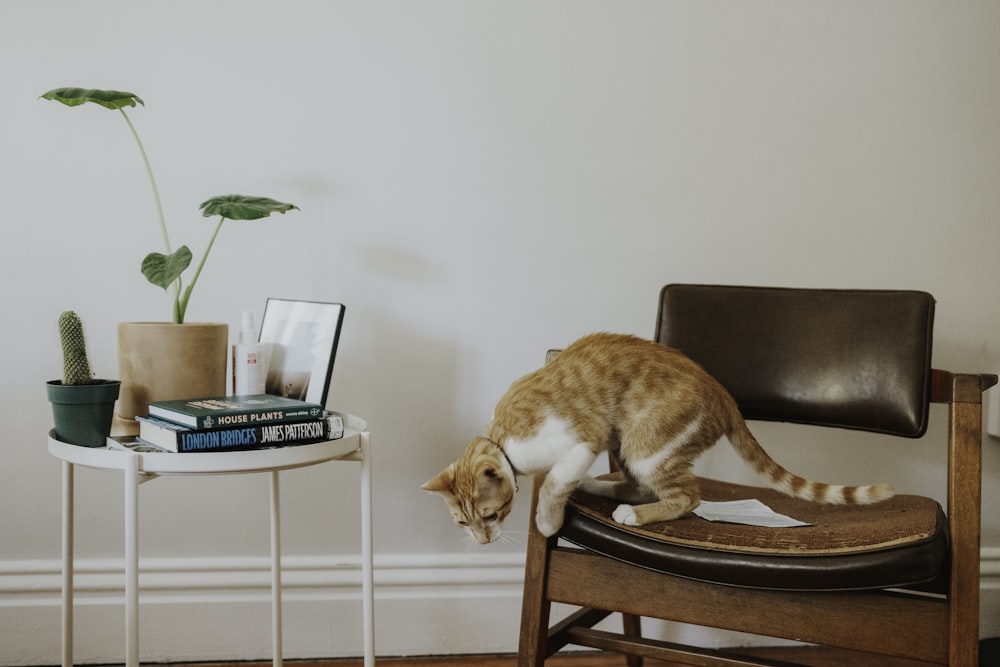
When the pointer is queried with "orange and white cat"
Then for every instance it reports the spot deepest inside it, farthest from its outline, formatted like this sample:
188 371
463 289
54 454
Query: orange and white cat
652 407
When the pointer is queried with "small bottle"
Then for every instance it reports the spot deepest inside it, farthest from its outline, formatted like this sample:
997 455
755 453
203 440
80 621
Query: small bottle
249 360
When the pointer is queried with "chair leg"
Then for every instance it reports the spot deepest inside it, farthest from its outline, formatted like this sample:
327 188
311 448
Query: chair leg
632 627
965 513
533 641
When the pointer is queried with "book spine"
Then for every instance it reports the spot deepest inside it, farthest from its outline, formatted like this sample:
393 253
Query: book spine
252 418
260 436
243 418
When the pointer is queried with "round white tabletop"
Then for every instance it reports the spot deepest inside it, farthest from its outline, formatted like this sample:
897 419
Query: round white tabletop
215 463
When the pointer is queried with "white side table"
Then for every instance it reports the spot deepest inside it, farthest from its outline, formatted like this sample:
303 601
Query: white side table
142 467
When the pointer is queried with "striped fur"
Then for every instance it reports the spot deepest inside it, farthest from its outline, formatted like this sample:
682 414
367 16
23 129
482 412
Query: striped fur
653 408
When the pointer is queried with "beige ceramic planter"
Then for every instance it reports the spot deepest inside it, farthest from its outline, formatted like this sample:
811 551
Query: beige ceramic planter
160 361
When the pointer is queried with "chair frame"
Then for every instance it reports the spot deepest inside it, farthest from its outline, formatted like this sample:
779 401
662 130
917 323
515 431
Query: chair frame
939 629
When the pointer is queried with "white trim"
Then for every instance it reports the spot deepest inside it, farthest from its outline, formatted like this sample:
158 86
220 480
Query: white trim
219 608
425 603
989 568
250 573
989 592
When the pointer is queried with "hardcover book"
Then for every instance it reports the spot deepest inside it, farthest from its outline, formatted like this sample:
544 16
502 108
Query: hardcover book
235 411
176 438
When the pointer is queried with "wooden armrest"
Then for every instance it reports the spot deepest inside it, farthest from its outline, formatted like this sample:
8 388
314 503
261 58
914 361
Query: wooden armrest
949 387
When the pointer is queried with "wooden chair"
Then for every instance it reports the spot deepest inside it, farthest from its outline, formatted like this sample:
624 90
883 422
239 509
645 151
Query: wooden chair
899 578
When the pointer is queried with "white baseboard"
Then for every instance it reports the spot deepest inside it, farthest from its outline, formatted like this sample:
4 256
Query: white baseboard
989 591
219 609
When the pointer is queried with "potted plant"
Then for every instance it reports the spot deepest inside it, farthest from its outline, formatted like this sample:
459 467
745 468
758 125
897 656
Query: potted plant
164 360
82 406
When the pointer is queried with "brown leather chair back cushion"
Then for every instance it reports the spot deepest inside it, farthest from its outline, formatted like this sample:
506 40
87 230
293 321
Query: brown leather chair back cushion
856 359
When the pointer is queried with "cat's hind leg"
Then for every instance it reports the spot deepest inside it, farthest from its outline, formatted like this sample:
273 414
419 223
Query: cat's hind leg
672 503
617 486
664 469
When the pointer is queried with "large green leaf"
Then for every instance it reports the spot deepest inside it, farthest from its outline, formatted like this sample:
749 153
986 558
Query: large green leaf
242 207
162 270
111 99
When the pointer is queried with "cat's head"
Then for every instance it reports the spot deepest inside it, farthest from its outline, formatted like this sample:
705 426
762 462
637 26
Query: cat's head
479 490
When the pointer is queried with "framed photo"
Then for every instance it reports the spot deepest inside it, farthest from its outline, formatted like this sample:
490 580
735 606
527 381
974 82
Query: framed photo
302 338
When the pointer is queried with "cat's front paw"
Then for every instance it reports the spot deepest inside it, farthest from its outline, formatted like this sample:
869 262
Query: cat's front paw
548 520
625 515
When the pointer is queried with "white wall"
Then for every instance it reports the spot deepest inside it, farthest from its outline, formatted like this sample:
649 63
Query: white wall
478 182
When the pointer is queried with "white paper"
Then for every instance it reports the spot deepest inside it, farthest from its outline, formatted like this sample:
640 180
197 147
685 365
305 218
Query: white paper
750 512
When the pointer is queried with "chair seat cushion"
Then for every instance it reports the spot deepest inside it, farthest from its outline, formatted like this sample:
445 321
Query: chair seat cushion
896 543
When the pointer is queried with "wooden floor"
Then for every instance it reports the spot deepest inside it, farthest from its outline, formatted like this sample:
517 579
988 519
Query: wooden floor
804 656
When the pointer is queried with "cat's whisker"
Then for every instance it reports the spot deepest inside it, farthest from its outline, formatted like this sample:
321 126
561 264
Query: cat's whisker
515 533
510 540
469 545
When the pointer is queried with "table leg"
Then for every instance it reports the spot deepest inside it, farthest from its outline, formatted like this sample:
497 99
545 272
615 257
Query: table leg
367 565
132 561
67 564
276 569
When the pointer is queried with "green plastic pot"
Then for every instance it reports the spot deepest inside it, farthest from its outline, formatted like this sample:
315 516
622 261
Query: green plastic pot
83 413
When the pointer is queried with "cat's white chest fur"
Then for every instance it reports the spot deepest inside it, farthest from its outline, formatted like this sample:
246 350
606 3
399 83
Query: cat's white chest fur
554 442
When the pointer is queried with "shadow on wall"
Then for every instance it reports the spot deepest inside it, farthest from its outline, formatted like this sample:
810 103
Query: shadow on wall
403 381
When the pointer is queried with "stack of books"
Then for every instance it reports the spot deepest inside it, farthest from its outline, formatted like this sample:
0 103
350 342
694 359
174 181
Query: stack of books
231 423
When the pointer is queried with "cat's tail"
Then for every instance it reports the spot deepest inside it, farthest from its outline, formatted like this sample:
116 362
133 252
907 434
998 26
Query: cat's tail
799 487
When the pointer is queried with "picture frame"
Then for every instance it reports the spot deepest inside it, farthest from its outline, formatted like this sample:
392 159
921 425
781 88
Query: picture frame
302 339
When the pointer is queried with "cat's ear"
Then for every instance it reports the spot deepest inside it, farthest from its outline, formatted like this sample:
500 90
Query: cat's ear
444 482
490 474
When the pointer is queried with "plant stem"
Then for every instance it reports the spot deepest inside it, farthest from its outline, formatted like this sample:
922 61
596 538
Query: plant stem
182 306
152 182
178 307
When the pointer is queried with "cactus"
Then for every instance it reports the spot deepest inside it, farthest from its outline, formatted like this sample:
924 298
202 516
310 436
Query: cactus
76 366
